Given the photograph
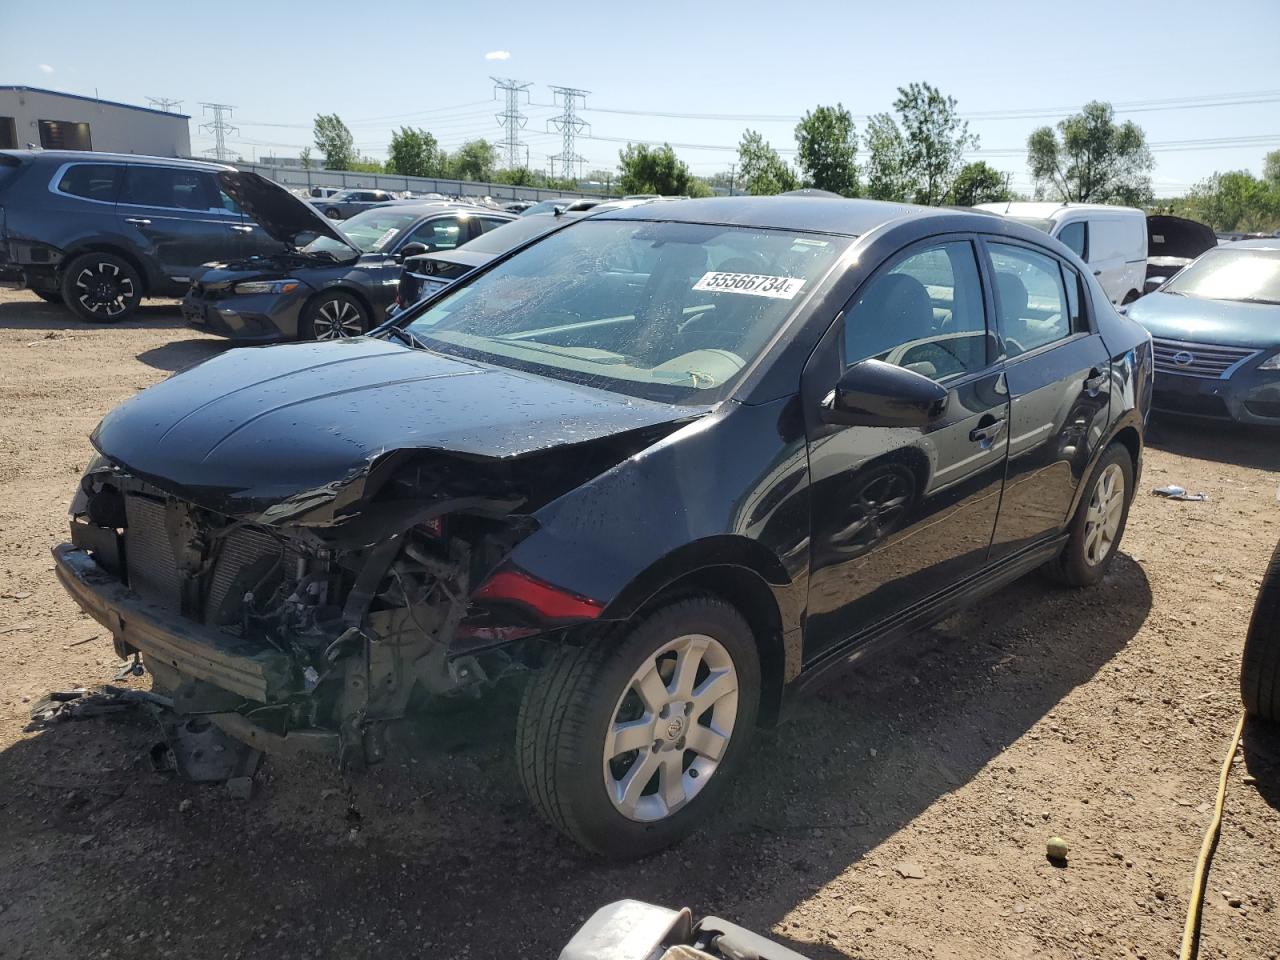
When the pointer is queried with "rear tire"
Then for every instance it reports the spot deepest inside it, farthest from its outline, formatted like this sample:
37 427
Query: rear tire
333 213
1260 664
1098 525
101 287
684 684
334 316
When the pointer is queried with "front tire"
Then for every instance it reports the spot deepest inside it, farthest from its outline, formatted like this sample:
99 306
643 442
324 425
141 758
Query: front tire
101 287
334 316
625 743
1260 664
1099 522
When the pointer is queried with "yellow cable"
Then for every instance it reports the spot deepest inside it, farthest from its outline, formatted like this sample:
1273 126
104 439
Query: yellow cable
1191 931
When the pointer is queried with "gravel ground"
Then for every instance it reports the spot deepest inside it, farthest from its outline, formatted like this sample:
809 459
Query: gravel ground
1100 716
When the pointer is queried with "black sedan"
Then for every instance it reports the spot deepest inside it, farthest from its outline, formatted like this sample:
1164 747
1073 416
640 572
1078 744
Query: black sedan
339 284
673 461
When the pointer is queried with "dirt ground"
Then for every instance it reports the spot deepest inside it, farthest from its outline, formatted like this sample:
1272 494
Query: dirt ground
1100 716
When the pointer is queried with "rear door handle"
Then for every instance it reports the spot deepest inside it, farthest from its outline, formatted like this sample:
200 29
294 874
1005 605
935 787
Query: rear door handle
140 221
1096 380
1097 273
987 431
239 229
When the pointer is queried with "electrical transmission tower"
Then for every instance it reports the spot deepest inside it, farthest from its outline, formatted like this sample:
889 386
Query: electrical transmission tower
219 127
165 104
511 119
568 125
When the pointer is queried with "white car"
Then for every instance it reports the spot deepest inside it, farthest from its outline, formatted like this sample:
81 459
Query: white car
1112 240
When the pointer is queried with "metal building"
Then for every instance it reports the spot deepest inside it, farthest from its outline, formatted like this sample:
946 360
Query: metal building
65 121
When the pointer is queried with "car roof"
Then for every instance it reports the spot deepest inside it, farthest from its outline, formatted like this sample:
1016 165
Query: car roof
94 156
1048 209
1266 244
813 214
425 207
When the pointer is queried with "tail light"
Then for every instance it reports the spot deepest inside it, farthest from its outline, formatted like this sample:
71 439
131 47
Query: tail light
546 602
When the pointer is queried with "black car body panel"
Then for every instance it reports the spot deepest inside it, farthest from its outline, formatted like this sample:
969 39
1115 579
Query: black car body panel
592 502
165 229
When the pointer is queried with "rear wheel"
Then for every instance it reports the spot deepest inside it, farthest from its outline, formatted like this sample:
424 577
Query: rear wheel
101 287
1096 529
1260 665
333 213
334 316
625 743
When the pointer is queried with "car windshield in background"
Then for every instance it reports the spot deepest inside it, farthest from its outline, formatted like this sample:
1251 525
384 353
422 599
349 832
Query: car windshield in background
1226 274
372 231
668 311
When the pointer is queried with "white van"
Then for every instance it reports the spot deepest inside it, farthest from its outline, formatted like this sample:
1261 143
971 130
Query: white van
1112 240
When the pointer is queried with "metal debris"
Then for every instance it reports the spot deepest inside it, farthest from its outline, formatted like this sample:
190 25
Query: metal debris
59 706
1175 492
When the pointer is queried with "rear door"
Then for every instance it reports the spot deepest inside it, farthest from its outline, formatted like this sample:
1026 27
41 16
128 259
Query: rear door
1057 371
176 216
900 514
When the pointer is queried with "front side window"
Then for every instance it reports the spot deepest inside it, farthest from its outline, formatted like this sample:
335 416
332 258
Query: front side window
372 231
1072 236
166 187
668 311
1031 300
442 233
93 181
925 313
1249 275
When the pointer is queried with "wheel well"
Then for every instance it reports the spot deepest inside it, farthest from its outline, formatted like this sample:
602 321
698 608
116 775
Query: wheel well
748 593
1132 442
352 292
124 255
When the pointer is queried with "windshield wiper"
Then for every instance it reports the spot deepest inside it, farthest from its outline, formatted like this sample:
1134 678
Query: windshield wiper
408 338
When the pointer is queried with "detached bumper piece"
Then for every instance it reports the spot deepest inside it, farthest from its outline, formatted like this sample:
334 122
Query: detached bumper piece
632 930
203 653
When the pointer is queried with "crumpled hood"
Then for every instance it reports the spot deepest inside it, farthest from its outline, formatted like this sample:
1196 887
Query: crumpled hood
1199 320
282 215
301 421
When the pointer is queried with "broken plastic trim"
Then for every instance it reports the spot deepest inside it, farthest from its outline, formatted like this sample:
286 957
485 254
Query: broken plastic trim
548 603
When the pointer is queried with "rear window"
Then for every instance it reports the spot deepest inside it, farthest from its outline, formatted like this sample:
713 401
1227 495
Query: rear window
93 181
169 187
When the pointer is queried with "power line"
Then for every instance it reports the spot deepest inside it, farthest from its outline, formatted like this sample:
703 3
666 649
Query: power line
219 127
569 125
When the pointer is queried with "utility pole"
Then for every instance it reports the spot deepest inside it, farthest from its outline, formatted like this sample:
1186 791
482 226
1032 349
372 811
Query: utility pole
568 125
511 119
733 170
219 127
165 104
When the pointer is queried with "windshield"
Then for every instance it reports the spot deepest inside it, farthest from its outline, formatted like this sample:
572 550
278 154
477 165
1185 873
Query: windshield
668 311
1227 274
372 231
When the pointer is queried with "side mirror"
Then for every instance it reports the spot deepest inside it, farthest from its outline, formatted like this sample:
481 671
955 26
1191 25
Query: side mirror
873 393
414 249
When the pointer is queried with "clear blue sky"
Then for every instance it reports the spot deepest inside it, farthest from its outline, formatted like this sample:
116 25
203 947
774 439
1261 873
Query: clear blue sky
382 64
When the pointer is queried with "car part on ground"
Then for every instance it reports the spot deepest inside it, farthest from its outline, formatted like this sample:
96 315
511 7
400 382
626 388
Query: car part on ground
1216 331
1260 664
633 930
620 458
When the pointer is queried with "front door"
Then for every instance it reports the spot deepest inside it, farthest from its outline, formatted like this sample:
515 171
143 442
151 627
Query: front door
176 215
901 513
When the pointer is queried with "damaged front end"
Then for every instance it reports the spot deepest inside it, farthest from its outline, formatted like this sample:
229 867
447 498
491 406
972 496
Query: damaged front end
314 621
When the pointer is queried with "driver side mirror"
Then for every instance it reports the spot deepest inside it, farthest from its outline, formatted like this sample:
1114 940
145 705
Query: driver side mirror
873 393
413 249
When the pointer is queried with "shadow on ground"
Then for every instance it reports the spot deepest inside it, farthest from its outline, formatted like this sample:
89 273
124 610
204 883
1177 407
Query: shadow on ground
38 315
1262 759
436 852
181 354
1216 441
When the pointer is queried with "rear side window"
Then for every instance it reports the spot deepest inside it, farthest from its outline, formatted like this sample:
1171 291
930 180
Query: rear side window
1116 238
168 187
488 223
1073 237
93 181
1031 299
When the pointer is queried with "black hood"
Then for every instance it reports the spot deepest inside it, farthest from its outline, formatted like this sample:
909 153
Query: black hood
282 215
296 426
1178 237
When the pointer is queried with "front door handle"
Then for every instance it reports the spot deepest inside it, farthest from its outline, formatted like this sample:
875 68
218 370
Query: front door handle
987 431
1096 380
1097 273
140 221
243 229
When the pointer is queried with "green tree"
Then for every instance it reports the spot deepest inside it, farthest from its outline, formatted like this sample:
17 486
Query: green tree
917 156
976 183
413 153
1271 167
827 147
1236 200
334 140
1092 159
761 171
474 160
657 170
305 156
366 165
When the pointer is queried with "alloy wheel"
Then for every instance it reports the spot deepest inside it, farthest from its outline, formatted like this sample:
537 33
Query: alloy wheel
1102 519
337 320
670 728
103 290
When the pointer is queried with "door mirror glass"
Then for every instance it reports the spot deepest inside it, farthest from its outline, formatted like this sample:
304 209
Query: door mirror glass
873 393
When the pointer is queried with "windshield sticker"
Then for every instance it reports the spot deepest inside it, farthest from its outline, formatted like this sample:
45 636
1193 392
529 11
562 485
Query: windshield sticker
754 284
805 242
383 240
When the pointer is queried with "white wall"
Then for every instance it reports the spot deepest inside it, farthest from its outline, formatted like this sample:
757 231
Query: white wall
112 129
